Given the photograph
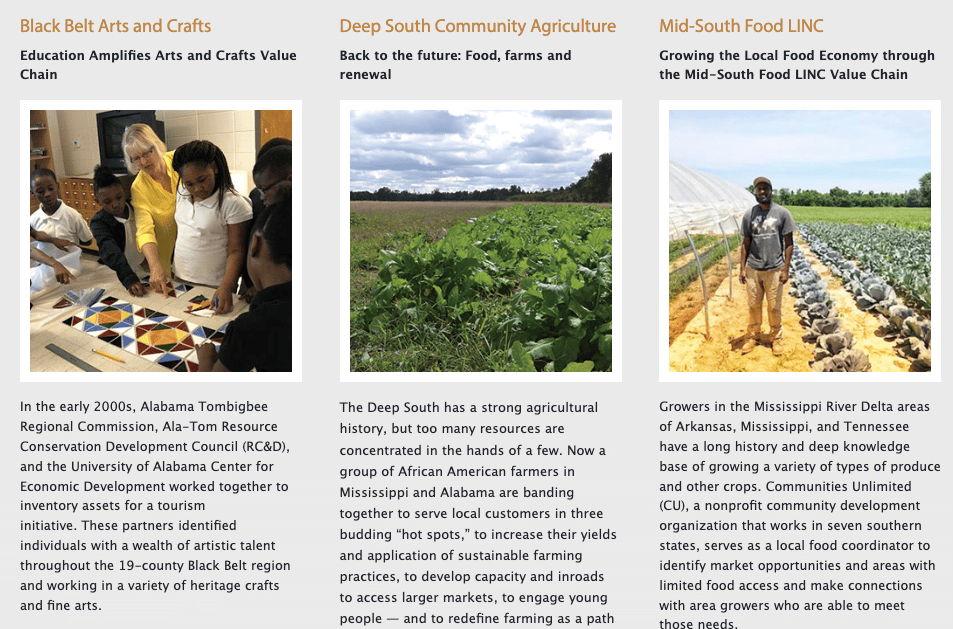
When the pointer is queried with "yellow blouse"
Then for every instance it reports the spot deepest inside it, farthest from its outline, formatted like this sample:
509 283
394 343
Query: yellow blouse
155 213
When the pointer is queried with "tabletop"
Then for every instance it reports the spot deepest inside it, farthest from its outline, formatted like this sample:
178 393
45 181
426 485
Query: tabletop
120 332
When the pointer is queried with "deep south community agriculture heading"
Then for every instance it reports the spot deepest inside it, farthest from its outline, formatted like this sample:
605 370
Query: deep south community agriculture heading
446 26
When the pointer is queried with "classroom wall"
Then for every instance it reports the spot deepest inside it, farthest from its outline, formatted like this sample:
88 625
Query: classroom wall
79 126
232 130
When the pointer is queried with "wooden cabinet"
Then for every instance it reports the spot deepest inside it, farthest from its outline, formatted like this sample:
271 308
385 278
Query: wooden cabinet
77 193
273 124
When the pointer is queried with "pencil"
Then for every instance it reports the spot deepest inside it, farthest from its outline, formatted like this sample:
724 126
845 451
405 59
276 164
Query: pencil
102 353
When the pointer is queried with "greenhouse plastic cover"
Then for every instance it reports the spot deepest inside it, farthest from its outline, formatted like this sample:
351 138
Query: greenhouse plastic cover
698 202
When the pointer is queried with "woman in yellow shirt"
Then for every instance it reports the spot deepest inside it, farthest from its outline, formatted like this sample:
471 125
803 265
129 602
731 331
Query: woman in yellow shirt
153 199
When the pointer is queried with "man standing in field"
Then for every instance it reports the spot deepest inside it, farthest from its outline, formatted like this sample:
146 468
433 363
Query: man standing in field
768 232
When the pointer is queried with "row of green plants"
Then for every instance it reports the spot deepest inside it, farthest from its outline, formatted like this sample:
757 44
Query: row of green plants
679 279
833 343
910 331
533 281
900 256
679 248
917 218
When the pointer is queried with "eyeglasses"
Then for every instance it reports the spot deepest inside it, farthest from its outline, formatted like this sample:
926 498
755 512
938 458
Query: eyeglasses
139 158
265 189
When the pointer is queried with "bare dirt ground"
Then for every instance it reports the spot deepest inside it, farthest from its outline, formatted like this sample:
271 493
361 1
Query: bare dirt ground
689 302
689 350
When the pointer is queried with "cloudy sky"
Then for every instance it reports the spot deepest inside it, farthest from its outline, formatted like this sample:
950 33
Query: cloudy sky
883 151
474 150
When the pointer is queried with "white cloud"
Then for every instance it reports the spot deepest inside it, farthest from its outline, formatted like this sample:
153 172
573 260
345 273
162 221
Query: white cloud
454 150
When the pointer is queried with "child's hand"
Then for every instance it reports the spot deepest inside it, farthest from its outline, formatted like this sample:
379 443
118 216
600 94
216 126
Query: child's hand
138 289
63 276
61 243
223 297
207 355
250 294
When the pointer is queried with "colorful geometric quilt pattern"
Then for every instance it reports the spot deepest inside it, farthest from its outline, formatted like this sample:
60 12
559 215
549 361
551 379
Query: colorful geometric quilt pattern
155 336
176 290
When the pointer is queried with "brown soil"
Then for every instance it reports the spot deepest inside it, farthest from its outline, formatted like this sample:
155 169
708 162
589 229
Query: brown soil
689 302
689 350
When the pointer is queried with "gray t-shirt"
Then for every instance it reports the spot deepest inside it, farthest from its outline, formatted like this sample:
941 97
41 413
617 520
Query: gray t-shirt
766 229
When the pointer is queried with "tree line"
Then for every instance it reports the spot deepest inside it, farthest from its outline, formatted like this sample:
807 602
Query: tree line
594 187
838 197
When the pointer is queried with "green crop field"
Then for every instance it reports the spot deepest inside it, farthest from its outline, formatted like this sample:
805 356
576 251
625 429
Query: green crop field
894 243
524 288
905 217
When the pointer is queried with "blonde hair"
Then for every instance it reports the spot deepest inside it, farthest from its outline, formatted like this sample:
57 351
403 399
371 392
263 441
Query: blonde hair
140 136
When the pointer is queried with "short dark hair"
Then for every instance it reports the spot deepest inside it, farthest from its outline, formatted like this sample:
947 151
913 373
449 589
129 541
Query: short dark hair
103 178
274 225
278 160
270 144
40 172
204 152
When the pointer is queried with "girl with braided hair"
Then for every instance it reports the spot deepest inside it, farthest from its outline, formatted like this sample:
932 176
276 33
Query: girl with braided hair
213 221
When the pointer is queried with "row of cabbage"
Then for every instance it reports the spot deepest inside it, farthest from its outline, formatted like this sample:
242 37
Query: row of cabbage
900 256
535 280
872 293
834 345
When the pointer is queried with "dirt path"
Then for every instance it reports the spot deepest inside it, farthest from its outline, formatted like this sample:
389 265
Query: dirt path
689 302
728 317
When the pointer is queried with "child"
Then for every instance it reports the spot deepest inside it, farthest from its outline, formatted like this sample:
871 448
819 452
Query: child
212 219
59 243
114 227
54 217
272 175
272 169
260 339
